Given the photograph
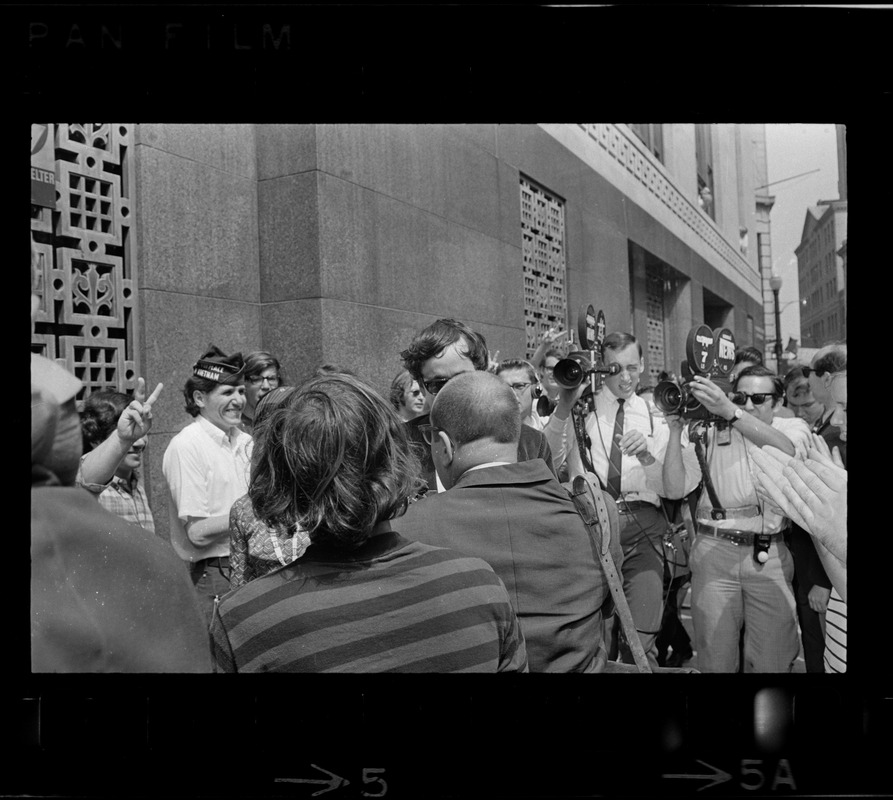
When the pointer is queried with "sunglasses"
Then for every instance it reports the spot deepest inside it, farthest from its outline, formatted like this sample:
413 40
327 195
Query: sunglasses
740 398
807 371
436 384
429 433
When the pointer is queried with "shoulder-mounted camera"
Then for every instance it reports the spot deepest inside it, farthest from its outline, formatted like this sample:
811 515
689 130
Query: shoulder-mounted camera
711 354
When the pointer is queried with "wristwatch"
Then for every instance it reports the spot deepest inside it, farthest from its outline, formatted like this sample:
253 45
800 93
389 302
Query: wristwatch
736 416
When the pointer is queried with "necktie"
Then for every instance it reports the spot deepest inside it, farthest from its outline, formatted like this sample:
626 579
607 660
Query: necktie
616 456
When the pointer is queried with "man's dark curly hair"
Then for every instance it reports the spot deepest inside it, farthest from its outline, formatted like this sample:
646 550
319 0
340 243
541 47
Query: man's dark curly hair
438 336
335 459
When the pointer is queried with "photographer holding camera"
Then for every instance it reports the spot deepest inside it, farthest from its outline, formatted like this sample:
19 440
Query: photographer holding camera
624 447
741 568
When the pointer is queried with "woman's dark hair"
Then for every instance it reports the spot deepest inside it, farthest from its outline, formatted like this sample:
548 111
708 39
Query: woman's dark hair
402 381
335 459
100 416
195 383
270 401
437 337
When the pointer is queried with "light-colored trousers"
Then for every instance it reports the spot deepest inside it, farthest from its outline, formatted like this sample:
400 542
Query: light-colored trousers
729 589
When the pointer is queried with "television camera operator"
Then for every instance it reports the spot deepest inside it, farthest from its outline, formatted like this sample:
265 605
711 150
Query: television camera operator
624 449
741 568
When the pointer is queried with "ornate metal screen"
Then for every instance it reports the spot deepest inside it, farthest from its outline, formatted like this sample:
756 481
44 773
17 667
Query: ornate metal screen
86 282
543 256
654 304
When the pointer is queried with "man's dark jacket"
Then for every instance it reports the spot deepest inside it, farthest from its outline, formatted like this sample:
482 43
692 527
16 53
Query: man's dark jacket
532 444
521 520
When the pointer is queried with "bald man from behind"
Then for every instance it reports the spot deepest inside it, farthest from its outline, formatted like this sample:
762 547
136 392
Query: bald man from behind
518 518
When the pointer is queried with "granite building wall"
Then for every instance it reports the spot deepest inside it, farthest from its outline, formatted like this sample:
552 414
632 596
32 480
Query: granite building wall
336 243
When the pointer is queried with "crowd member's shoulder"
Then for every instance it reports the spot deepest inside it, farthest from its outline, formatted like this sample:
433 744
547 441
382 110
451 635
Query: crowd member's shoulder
53 380
105 598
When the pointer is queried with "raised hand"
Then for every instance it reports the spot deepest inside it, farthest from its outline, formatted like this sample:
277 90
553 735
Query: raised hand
136 420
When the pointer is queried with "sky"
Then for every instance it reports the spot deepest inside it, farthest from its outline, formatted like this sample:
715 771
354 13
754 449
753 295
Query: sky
793 149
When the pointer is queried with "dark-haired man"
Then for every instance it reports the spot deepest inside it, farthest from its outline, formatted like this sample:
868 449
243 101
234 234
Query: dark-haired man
737 578
517 517
441 351
625 447
206 469
827 362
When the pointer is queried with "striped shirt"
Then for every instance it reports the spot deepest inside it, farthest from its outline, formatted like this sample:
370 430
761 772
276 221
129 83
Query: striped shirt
835 634
393 605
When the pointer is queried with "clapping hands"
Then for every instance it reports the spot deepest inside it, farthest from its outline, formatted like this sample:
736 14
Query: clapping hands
813 493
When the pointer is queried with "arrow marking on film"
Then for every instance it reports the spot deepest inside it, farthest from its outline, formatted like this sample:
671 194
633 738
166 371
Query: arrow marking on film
716 778
333 781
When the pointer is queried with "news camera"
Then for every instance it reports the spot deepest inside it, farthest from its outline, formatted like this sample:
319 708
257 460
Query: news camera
582 365
710 354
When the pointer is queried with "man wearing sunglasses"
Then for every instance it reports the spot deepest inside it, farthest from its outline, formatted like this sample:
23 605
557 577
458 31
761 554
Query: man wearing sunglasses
735 581
517 517
440 352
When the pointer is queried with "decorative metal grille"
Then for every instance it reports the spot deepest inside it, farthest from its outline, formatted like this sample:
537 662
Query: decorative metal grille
86 281
543 259
654 310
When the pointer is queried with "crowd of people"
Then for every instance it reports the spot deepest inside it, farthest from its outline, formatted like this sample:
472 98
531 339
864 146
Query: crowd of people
326 527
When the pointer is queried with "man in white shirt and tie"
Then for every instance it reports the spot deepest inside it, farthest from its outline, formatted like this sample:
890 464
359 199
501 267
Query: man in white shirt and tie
626 451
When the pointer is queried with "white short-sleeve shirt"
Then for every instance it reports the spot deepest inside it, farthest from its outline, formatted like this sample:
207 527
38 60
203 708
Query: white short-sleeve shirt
206 470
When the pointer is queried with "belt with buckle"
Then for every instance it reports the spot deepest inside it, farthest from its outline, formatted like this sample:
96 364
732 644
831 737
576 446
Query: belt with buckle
628 506
734 535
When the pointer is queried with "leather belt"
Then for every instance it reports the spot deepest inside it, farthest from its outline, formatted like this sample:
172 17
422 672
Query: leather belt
628 506
216 561
734 535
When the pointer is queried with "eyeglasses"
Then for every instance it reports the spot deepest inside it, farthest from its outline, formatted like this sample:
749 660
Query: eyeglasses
740 398
257 380
429 433
520 387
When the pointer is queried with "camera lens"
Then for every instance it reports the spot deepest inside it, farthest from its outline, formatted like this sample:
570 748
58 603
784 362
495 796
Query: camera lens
668 397
568 373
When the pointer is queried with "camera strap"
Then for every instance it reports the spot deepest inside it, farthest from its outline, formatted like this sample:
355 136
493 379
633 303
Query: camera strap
579 422
594 511
699 436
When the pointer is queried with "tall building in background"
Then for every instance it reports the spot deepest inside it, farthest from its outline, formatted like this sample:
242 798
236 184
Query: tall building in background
764 202
841 161
820 267
337 243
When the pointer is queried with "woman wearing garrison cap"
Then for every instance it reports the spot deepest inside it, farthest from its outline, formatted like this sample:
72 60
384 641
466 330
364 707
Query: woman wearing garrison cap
206 469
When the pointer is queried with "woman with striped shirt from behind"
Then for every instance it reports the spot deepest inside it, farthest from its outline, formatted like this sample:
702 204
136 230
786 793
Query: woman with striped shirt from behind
335 460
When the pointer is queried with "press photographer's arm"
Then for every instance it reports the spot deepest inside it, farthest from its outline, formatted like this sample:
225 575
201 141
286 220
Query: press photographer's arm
716 402
680 475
